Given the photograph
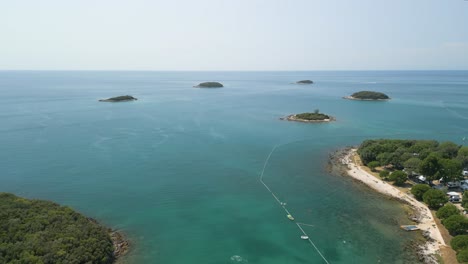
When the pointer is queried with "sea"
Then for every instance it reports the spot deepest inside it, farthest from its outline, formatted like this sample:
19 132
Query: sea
178 171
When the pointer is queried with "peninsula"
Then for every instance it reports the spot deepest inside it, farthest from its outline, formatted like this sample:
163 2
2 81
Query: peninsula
315 117
305 82
36 231
418 173
368 96
209 85
123 98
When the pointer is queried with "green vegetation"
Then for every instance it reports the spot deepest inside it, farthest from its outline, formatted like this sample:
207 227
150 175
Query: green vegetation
305 82
34 231
384 174
435 198
456 224
315 116
398 177
460 245
370 95
462 256
428 157
465 200
373 164
419 190
122 98
210 85
459 242
447 210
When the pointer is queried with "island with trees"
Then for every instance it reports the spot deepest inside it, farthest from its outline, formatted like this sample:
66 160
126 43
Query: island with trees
209 85
368 96
123 98
305 82
37 231
315 117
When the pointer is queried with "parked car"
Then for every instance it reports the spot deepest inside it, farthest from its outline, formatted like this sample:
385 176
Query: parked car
454 184
464 185
455 199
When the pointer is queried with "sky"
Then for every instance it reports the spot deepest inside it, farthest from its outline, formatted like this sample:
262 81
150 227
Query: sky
237 35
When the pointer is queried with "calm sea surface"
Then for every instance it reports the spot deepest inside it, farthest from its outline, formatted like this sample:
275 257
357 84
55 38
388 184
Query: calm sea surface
178 170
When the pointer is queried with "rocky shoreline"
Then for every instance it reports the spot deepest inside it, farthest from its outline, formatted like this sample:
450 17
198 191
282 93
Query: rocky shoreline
119 241
121 244
360 99
340 164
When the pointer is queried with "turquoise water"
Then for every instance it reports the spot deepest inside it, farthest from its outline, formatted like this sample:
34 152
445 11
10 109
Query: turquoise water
178 170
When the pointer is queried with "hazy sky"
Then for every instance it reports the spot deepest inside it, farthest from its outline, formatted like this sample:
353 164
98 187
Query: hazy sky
233 34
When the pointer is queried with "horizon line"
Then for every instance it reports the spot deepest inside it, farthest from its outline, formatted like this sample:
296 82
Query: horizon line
129 70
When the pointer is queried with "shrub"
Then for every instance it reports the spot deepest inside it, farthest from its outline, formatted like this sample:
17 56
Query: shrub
435 198
372 165
456 224
418 190
399 177
384 174
462 256
447 210
465 200
459 243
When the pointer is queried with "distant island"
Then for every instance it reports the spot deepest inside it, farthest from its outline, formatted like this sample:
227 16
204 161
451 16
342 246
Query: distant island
368 96
305 82
209 85
314 117
36 231
123 98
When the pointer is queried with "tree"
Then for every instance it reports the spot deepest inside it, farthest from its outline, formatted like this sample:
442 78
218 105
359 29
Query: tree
430 166
462 256
448 150
372 165
456 224
450 169
435 198
399 177
384 174
316 111
412 164
459 242
465 200
447 210
419 190
462 156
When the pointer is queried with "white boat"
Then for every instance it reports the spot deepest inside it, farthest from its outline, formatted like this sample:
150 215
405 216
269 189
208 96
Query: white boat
304 237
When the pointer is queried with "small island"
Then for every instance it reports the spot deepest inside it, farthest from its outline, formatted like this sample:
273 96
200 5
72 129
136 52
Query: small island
123 98
315 117
36 231
368 96
209 85
305 82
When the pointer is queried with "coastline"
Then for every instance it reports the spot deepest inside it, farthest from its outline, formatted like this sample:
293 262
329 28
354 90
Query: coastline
293 118
359 99
422 214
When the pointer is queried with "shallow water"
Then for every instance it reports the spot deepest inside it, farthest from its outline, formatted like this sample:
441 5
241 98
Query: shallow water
178 170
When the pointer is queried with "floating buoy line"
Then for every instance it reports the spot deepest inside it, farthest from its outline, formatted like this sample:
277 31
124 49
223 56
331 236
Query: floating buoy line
283 205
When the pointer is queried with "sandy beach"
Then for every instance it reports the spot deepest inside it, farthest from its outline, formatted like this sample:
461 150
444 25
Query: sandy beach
424 219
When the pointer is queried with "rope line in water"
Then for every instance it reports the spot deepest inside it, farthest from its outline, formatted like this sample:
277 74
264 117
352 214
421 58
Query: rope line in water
283 206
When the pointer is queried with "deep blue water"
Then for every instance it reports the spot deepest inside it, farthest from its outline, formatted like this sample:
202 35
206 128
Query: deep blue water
178 170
